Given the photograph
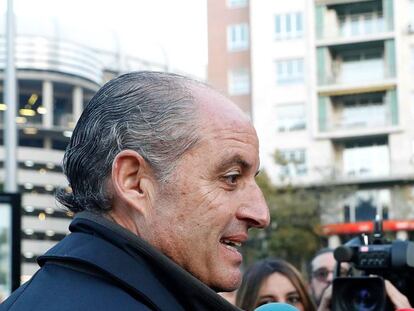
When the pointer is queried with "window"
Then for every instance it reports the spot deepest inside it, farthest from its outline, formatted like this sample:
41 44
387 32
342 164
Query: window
63 115
30 102
239 82
361 65
363 205
237 37
236 3
290 117
363 110
292 162
371 159
288 26
289 71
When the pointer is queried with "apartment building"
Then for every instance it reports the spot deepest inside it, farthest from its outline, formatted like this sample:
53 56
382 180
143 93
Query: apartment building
229 50
332 92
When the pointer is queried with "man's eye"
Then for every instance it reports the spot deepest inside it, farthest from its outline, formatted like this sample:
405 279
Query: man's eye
231 179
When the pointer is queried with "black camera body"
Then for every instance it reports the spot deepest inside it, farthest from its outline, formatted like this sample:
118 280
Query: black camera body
371 260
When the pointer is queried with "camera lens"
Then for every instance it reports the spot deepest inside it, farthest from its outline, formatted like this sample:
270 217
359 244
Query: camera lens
358 294
363 299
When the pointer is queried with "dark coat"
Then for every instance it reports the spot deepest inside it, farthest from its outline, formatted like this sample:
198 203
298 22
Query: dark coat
101 266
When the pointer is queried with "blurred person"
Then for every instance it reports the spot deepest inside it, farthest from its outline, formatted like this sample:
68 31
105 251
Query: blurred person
321 273
273 280
162 174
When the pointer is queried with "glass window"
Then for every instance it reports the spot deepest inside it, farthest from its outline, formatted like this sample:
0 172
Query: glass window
27 141
63 114
87 96
59 144
236 3
30 102
278 27
239 82
363 110
299 25
2 105
361 23
288 23
363 205
290 117
292 162
367 63
5 250
237 37
288 26
368 160
289 71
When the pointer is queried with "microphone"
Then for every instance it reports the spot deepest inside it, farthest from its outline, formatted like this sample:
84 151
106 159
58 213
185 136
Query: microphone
276 306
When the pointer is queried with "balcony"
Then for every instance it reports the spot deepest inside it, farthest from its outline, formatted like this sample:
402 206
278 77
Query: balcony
372 116
355 26
358 115
336 23
358 70
363 158
356 65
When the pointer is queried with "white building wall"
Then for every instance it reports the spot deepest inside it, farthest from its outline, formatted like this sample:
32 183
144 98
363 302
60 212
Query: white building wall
267 94
402 143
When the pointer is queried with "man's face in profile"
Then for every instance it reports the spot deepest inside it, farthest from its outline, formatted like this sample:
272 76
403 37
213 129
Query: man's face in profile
202 215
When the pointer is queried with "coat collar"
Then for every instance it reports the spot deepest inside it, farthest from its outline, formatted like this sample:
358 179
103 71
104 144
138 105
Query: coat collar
128 259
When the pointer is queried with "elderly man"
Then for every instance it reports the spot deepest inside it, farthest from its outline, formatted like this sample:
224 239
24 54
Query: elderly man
162 171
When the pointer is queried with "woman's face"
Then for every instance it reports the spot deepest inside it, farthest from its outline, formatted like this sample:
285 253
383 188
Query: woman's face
278 288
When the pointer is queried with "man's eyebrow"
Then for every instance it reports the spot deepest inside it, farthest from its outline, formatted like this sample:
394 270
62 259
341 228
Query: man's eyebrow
237 159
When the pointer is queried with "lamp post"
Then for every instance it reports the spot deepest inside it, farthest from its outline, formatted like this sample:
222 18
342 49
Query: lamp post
10 128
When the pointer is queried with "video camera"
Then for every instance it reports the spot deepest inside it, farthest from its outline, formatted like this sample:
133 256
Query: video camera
372 259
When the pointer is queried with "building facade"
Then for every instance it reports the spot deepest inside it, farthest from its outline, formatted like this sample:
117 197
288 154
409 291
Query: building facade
332 95
56 77
229 50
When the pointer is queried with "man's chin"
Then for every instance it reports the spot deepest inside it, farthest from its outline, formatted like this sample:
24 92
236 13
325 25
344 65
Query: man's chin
229 284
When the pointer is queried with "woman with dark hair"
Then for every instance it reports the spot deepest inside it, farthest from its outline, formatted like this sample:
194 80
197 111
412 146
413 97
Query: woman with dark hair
273 280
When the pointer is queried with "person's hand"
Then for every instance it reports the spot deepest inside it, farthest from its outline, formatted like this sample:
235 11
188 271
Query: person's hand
325 304
399 300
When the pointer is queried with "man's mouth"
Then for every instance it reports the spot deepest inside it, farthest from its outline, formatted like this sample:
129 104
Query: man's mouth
231 245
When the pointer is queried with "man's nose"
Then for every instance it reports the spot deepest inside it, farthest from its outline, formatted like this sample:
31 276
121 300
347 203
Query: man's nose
254 210
330 277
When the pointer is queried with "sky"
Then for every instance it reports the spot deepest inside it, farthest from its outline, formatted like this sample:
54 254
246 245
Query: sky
175 30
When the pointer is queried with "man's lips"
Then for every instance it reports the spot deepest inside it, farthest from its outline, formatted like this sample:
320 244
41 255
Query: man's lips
233 242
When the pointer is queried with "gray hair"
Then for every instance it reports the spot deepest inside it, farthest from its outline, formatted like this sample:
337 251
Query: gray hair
152 113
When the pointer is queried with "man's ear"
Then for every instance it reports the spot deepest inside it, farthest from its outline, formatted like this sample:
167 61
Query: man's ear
132 181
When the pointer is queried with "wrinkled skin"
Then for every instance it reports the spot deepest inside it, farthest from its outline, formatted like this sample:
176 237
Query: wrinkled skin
211 197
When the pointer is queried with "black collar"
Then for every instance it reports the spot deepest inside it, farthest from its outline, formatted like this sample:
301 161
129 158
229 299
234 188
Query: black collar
129 260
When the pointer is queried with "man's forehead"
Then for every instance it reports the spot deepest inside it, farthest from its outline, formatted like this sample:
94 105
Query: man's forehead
215 105
326 260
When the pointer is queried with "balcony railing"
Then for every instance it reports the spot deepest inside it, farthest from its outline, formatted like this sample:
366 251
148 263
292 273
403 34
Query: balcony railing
355 25
375 120
367 116
358 71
